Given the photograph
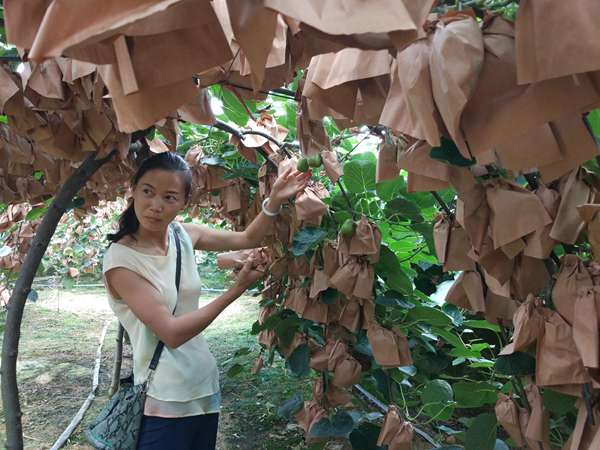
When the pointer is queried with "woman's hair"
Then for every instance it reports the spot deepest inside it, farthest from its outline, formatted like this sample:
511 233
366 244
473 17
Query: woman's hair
128 221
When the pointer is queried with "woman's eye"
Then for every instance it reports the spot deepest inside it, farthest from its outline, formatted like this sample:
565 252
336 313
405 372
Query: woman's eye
171 198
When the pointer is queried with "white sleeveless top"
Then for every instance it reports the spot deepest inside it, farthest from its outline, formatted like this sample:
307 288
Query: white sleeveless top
186 381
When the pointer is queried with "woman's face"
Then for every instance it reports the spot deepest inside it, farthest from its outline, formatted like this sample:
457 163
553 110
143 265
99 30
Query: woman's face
158 197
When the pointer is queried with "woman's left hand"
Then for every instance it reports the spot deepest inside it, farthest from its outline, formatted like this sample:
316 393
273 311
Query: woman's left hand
288 184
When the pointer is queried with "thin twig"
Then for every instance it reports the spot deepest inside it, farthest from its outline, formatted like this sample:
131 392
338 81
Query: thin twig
442 204
347 155
345 195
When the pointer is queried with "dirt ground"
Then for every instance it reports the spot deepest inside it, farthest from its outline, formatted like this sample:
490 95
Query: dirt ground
60 336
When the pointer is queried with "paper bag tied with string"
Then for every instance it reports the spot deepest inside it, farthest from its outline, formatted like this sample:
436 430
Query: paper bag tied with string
387 162
514 119
309 205
507 413
455 62
530 276
354 279
366 240
352 82
417 161
310 414
544 52
558 361
473 214
536 425
515 212
320 358
586 326
331 397
346 370
574 191
467 292
316 311
528 326
414 78
333 168
573 277
351 315
452 245
539 244
390 348
297 300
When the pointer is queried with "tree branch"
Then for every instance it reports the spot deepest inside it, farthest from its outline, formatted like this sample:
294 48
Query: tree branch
16 304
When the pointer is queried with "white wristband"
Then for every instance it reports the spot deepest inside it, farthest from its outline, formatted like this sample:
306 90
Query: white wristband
266 211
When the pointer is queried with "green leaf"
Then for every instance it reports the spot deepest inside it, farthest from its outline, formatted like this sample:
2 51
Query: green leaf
593 118
449 153
213 161
437 398
235 370
36 213
329 296
242 352
298 361
339 426
234 110
306 238
455 314
359 176
558 403
389 189
290 407
426 230
389 268
474 394
390 298
518 363
429 315
403 208
364 437
285 330
481 435
482 324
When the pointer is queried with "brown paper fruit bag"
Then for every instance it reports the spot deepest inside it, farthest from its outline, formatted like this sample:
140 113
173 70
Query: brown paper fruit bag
507 413
573 276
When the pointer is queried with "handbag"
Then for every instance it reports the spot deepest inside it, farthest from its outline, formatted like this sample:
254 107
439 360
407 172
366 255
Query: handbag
118 425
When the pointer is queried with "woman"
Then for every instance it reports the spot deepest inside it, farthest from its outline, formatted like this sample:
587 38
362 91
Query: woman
181 410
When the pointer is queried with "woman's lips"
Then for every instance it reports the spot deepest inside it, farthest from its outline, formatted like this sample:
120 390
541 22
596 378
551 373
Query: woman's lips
153 219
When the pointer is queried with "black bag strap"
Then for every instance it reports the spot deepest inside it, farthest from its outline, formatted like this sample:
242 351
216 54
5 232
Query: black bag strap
161 344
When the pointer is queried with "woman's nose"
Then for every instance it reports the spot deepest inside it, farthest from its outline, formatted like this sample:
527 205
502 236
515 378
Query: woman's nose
156 205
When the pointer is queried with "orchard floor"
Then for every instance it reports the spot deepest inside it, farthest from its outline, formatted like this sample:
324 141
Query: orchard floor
59 340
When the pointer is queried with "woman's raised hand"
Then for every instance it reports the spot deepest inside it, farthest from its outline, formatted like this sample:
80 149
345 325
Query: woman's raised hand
248 274
288 184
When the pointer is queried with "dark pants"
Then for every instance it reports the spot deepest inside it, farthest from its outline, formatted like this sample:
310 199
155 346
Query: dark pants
179 433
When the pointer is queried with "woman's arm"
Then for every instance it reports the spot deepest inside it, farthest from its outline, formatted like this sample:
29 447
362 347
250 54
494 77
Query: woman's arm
287 185
146 303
